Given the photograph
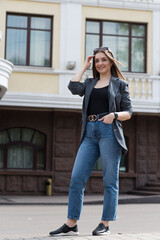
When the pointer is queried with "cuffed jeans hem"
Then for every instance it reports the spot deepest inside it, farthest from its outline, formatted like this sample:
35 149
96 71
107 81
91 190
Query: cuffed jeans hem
109 219
74 218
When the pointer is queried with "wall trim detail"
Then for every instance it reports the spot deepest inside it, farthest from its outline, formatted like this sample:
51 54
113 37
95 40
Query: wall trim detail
16 99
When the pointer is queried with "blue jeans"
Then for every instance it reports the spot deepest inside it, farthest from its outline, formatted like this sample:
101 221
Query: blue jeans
99 140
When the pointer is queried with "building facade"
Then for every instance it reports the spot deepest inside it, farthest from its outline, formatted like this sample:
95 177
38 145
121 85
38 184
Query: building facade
47 41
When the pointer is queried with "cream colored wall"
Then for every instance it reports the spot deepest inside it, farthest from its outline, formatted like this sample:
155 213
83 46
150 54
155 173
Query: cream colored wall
120 15
33 82
23 81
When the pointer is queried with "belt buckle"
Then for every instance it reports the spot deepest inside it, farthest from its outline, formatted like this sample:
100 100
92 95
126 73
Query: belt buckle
92 118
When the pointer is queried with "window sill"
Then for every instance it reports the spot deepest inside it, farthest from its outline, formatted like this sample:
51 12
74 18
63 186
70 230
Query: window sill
25 172
96 174
28 69
41 70
127 175
121 174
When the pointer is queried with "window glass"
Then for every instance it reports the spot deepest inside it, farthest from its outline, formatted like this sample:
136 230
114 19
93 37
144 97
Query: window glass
40 159
4 137
16 50
98 165
123 164
39 138
27 134
126 40
120 48
137 55
138 30
1 158
22 148
20 157
92 27
115 28
92 41
40 48
17 21
14 134
40 23
28 40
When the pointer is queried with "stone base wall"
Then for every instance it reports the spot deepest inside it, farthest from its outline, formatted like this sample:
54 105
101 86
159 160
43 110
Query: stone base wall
62 131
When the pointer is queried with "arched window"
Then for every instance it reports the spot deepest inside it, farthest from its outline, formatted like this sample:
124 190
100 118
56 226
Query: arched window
22 148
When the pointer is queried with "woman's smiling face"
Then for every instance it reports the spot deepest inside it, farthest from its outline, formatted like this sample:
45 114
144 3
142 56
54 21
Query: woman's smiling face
102 63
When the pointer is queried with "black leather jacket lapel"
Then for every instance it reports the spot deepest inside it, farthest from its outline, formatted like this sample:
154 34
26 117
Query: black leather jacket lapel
112 92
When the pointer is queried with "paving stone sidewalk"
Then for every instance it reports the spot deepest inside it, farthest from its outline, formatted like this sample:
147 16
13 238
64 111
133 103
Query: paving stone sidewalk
143 236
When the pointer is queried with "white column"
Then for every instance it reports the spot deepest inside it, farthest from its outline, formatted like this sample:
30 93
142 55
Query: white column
130 85
143 81
156 42
155 84
70 42
136 88
150 88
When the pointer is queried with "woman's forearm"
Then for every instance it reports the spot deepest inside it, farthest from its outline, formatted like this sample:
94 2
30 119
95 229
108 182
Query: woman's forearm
123 116
109 118
78 76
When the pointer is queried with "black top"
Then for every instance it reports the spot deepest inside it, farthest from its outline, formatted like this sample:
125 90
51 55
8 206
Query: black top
98 102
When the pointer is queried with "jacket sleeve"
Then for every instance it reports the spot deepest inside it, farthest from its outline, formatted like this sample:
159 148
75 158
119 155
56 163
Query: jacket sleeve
77 88
125 104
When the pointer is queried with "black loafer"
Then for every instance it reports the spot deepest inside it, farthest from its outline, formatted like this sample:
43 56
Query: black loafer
101 230
65 231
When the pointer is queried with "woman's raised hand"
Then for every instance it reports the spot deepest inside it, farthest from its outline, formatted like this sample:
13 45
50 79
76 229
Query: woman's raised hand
88 62
78 76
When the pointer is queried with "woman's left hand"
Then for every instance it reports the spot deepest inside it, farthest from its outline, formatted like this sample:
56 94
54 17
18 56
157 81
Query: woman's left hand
107 118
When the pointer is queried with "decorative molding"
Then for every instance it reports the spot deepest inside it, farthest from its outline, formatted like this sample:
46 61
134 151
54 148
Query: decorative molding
14 99
41 70
123 4
41 100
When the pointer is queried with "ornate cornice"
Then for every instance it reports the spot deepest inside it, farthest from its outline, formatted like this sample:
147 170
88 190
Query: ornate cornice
123 4
13 99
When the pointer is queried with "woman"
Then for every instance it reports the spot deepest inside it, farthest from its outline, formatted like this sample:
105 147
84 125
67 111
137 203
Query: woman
106 103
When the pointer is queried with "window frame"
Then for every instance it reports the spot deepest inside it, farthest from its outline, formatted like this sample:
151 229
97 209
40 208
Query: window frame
35 148
129 37
28 36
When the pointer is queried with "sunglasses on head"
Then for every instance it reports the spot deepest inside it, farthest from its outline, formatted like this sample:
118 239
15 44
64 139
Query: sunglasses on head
101 48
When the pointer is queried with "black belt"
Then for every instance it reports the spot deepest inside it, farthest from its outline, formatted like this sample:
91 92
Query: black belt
94 117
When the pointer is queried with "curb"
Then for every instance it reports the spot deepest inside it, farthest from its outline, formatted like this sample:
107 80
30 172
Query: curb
63 200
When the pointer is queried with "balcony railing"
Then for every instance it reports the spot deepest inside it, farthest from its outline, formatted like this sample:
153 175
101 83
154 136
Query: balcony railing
144 87
140 87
